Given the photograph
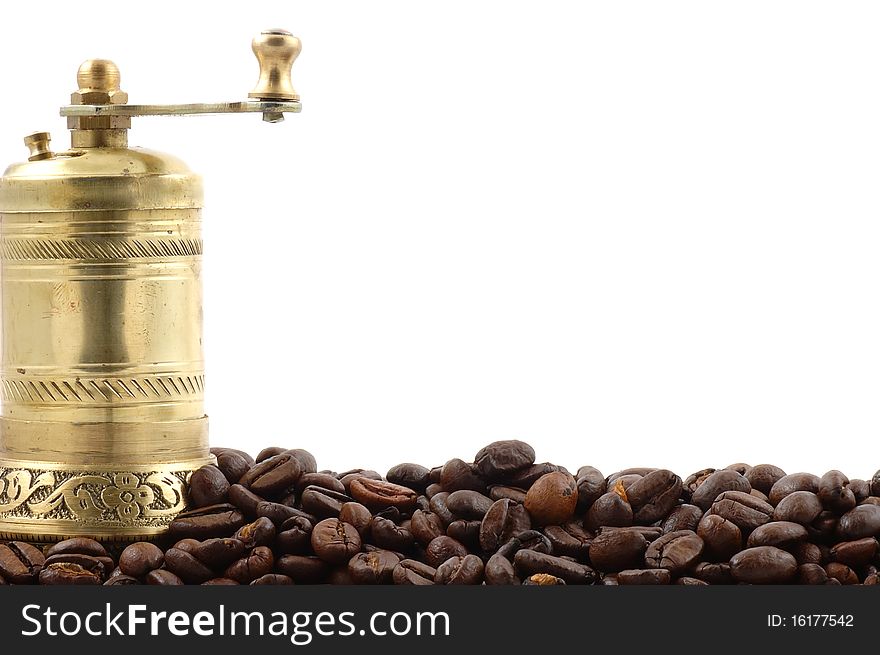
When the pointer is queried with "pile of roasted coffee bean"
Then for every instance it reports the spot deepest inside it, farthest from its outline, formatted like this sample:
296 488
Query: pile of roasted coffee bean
501 519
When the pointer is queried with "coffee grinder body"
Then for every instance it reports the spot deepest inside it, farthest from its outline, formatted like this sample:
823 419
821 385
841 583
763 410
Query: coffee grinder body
103 377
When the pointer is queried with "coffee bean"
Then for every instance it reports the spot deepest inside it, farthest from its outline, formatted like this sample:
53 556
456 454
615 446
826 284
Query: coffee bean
782 534
859 522
335 541
611 509
622 482
543 580
635 472
717 573
842 573
617 550
20 563
467 570
320 481
677 552
683 517
277 513
412 572
413 476
468 504
163 577
270 451
220 582
376 567
763 565
220 552
499 571
798 506
501 459
65 573
742 509
528 540
503 520
206 522
528 562
253 565
790 483
295 536
121 580
694 480
569 539
323 503
441 509
525 478
552 499
857 553
739 467
306 460
187 567
388 534
653 496
811 574
875 484
807 553
86 562
458 474
259 533
591 484
498 492
140 558
716 484
347 477
302 569
824 527
834 492
272 579
233 465
645 577
187 545
358 516
721 538
246 456
441 549
208 486
78 545
244 499
467 532
272 475
377 495
425 526
763 476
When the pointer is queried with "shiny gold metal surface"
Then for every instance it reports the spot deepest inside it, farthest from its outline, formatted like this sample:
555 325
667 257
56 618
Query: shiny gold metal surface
102 368
99 103
102 371
38 144
276 50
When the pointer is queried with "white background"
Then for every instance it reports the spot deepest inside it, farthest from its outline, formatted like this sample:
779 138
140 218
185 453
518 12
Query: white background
632 233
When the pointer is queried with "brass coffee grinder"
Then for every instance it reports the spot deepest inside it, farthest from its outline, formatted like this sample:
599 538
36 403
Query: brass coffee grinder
102 379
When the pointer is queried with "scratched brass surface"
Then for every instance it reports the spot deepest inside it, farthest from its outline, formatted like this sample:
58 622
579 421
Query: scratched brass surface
102 377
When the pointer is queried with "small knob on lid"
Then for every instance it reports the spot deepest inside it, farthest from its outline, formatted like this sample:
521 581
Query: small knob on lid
38 144
276 50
